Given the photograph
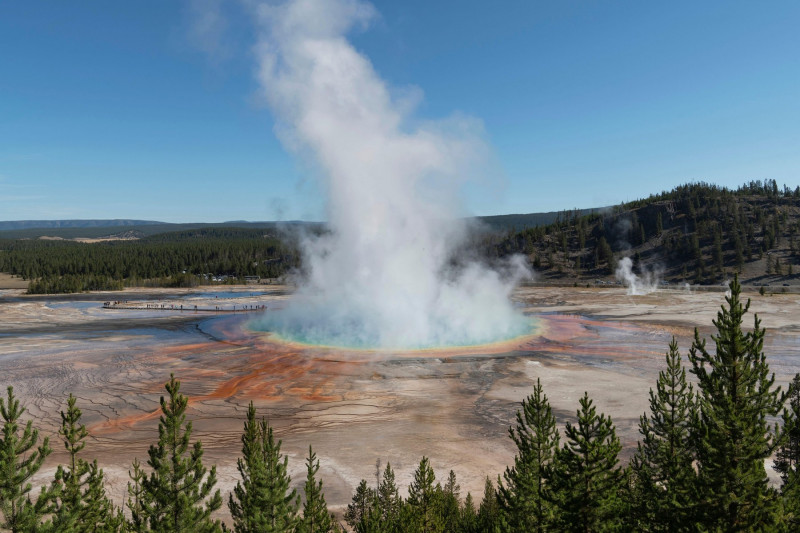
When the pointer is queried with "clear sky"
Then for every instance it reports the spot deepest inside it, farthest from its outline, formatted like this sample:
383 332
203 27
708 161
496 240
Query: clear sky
150 109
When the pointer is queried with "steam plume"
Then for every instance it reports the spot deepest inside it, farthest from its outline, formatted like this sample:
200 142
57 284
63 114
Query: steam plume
637 285
382 276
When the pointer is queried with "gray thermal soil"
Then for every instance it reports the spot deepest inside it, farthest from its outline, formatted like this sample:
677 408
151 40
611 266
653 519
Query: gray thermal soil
454 405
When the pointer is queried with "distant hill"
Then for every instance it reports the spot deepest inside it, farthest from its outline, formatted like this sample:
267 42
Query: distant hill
695 233
99 229
531 220
27 224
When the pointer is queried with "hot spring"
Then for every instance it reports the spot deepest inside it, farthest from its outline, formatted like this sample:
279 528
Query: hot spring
391 270
352 334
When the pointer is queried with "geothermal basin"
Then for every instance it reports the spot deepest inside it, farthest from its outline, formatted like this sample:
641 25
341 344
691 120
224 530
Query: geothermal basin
452 404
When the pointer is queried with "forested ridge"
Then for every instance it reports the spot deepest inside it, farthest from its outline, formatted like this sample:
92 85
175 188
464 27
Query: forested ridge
696 233
699 465
183 258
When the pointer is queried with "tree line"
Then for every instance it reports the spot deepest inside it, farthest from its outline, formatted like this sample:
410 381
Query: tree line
699 465
175 259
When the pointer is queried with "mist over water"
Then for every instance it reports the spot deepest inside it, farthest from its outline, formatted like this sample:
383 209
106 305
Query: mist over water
384 275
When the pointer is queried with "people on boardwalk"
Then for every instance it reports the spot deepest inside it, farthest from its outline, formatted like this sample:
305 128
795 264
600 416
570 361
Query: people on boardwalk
141 305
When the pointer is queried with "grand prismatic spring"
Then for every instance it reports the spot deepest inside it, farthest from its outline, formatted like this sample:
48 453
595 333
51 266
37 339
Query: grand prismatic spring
453 404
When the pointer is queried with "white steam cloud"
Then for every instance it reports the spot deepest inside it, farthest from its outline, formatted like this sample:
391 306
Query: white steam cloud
383 276
639 285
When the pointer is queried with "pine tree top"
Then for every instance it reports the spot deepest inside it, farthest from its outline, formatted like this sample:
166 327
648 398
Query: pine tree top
737 397
178 492
21 457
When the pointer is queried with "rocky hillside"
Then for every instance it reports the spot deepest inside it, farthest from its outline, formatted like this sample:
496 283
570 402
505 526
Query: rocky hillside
696 233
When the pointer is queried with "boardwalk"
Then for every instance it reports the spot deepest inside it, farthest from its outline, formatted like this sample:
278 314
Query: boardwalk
233 308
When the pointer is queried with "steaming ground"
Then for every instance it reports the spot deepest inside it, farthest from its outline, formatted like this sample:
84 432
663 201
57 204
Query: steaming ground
354 407
645 282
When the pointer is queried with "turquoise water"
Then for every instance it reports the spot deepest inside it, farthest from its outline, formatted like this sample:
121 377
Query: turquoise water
353 335
74 305
219 295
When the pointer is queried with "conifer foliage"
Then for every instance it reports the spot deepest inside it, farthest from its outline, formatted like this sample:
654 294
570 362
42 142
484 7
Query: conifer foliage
524 497
787 459
82 503
586 478
389 500
663 476
72 478
178 492
359 507
422 500
316 518
468 519
262 501
736 397
136 499
489 511
20 459
98 514
449 500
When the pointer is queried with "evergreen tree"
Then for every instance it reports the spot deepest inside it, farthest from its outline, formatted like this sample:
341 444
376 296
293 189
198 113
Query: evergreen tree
262 501
639 515
136 499
587 481
20 459
178 492
717 251
389 500
372 522
489 510
662 469
71 479
787 459
736 397
450 505
316 518
523 499
422 500
791 501
359 507
83 505
605 254
468 520
98 513
739 251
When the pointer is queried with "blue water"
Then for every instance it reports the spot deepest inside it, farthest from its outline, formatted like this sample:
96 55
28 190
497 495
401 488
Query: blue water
353 335
74 305
212 295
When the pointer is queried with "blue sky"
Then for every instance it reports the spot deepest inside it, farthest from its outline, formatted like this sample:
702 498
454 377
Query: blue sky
125 110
